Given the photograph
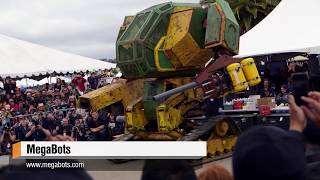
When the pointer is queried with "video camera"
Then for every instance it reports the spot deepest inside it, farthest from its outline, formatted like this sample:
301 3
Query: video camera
7 127
35 122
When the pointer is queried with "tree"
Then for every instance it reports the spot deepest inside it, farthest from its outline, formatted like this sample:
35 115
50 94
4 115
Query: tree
251 12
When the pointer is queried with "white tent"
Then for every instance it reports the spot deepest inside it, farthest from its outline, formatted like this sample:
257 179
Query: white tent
27 82
23 59
293 26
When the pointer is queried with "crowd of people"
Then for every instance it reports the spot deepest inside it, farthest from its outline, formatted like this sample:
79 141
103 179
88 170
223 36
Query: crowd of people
269 90
29 113
262 152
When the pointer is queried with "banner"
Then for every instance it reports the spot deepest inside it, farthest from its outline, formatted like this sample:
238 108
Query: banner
109 150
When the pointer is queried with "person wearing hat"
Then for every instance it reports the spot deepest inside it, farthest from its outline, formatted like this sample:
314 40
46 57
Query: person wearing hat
266 152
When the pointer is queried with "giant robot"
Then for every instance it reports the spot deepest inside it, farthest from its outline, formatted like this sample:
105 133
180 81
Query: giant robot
175 56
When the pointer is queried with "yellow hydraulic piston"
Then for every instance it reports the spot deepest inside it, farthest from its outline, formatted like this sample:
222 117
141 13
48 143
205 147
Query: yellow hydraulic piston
238 79
250 71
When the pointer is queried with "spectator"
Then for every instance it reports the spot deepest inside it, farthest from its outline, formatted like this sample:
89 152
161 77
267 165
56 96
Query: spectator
58 84
50 124
215 172
78 131
269 153
43 108
9 86
13 105
22 129
65 128
267 91
282 97
93 80
31 109
79 82
168 169
96 126
35 133
7 138
73 116
114 127
72 101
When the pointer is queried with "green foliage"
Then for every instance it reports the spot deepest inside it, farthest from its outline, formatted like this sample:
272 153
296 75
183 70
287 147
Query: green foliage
115 71
251 12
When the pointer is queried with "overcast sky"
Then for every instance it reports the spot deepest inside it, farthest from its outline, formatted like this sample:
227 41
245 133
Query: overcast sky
84 27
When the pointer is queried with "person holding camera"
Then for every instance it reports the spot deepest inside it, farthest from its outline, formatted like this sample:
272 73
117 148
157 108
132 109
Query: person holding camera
22 129
35 133
114 127
73 116
50 123
7 138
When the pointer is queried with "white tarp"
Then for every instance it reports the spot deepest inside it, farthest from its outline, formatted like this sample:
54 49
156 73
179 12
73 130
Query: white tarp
20 58
293 26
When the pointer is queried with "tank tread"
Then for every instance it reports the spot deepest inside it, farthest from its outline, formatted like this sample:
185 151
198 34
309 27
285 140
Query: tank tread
207 160
204 128
125 137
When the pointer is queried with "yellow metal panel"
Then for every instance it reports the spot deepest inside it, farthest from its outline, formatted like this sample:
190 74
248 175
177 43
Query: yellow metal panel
203 56
133 92
168 118
230 142
178 28
115 92
129 118
139 120
162 116
156 56
179 45
181 8
186 49
105 96
215 146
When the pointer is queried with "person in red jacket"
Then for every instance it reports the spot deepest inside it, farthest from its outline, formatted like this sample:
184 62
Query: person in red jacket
79 82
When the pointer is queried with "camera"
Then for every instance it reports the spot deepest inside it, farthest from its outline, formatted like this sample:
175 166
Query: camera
6 127
35 122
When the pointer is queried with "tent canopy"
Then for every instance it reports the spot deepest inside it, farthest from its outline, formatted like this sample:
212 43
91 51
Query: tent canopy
293 26
23 59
